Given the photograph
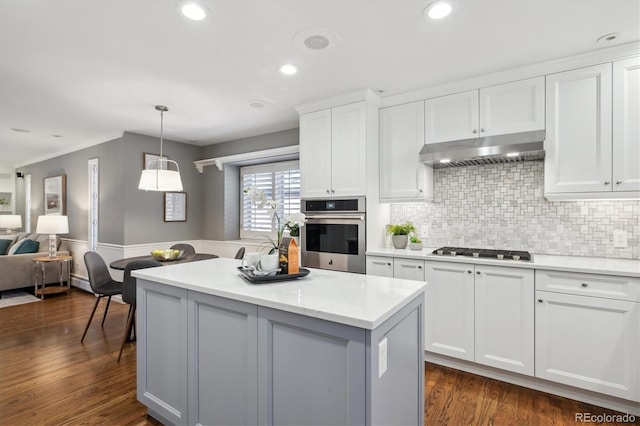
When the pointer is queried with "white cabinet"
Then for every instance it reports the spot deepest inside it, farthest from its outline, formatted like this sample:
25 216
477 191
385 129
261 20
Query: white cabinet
626 125
502 109
481 313
449 309
504 318
585 341
408 269
593 136
380 266
333 151
402 176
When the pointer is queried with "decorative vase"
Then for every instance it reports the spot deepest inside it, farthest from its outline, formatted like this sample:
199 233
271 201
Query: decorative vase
415 246
400 241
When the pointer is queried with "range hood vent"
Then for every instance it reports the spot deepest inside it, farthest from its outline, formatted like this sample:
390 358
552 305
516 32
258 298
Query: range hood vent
515 147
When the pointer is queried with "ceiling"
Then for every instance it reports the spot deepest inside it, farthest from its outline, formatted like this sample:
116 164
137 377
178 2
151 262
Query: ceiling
76 73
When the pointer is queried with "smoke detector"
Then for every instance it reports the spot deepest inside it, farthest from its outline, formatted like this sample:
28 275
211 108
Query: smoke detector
315 41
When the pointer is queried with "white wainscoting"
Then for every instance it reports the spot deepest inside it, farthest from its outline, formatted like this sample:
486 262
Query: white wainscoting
111 252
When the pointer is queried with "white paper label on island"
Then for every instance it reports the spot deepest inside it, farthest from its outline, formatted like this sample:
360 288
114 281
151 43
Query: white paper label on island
382 357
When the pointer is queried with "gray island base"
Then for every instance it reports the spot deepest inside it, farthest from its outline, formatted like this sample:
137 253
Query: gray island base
330 349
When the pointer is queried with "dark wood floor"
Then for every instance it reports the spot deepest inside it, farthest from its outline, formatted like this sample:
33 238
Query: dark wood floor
48 377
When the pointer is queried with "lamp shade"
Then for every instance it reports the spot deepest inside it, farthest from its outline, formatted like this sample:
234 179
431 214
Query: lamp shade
52 224
160 180
10 221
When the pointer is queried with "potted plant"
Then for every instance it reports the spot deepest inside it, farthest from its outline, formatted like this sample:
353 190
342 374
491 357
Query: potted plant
415 243
400 234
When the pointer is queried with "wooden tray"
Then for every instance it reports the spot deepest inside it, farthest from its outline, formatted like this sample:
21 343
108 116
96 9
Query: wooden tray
248 275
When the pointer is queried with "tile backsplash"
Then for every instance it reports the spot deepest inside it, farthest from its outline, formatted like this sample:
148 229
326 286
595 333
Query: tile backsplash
502 206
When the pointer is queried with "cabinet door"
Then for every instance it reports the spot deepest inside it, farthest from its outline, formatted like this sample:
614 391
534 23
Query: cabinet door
315 154
348 150
452 117
162 350
402 176
512 107
504 318
408 269
222 361
589 342
626 127
449 310
380 266
578 144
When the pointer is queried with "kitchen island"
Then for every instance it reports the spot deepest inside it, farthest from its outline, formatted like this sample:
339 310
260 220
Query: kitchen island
330 348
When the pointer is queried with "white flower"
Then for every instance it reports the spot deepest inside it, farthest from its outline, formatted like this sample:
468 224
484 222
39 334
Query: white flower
294 218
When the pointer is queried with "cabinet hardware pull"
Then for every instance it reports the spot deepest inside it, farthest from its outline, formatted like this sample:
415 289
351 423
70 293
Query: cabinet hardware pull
327 191
540 300
468 272
606 182
475 131
333 191
618 182
388 263
482 129
419 267
478 272
584 284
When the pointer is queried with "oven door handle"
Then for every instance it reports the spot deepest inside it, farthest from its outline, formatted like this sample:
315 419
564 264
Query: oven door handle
335 216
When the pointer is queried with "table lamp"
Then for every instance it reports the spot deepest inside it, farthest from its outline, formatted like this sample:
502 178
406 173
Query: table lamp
10 221
52 225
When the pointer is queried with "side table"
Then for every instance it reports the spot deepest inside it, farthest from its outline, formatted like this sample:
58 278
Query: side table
40 264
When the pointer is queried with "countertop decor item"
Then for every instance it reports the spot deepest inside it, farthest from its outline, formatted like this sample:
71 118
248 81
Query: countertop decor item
400 233
415 243
291 222
157 176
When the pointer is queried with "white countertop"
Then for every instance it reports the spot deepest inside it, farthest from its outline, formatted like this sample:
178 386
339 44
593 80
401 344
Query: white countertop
359 300
591 265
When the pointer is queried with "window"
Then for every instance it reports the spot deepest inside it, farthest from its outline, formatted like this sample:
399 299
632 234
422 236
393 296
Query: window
94 188
279 181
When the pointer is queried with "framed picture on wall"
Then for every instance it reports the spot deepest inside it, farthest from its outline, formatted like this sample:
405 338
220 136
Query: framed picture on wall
55 195
147 157
175 206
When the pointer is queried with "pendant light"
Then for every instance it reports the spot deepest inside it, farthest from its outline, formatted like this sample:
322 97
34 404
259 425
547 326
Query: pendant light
157 176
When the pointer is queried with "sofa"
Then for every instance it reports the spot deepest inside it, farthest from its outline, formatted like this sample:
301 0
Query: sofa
17 270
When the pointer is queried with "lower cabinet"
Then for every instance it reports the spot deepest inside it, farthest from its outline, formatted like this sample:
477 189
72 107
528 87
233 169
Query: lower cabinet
589 342
380 266
481 313
209 360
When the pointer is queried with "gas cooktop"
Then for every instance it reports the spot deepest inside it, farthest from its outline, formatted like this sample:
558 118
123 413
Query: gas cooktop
485 253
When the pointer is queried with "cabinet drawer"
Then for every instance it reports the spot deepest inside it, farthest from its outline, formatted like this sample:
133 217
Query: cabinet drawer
607 286
409 269
380 266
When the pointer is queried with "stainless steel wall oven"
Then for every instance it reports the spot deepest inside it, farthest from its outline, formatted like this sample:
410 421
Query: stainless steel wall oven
334 234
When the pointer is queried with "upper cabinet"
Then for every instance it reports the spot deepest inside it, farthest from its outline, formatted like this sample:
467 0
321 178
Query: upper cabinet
592 145
402 176
333 151
497 110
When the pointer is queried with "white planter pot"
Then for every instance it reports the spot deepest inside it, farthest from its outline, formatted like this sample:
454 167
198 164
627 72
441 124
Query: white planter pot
400 241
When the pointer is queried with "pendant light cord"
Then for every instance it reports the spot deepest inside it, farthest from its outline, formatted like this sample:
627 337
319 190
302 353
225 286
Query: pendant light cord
161 132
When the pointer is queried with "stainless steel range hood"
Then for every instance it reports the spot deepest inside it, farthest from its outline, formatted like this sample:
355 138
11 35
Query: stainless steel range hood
514 147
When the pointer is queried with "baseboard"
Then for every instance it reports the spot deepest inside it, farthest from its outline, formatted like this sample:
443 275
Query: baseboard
593 398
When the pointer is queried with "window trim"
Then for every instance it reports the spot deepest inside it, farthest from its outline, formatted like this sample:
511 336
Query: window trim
261 168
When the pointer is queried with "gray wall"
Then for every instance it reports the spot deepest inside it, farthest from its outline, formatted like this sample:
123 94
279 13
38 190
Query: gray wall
127 215
221 199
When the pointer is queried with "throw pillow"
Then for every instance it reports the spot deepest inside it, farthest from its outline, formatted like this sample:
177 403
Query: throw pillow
28 246
16 246
4 245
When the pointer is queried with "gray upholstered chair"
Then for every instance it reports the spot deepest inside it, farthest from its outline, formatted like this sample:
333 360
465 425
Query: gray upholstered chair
129 295
187 249
101 283
240 253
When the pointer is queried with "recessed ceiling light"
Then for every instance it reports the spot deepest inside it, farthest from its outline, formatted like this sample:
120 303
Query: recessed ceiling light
316 41
289 69
438 9
608 38
513 154
21 130
445 160
193 10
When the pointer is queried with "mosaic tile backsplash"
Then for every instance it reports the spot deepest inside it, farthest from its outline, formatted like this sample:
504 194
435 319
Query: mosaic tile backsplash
501 206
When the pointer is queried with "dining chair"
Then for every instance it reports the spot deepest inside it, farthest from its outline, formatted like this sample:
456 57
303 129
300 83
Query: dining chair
240 253
129 295
101 284
187 249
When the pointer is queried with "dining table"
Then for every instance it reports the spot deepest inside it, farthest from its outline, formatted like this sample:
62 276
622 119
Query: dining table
121 264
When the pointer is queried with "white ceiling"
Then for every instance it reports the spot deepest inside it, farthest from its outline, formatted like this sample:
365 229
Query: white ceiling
89 70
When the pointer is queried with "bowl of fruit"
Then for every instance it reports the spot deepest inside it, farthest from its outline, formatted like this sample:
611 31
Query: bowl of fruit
164 255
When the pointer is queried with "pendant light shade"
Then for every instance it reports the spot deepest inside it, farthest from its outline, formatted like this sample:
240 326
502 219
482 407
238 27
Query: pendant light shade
157 175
